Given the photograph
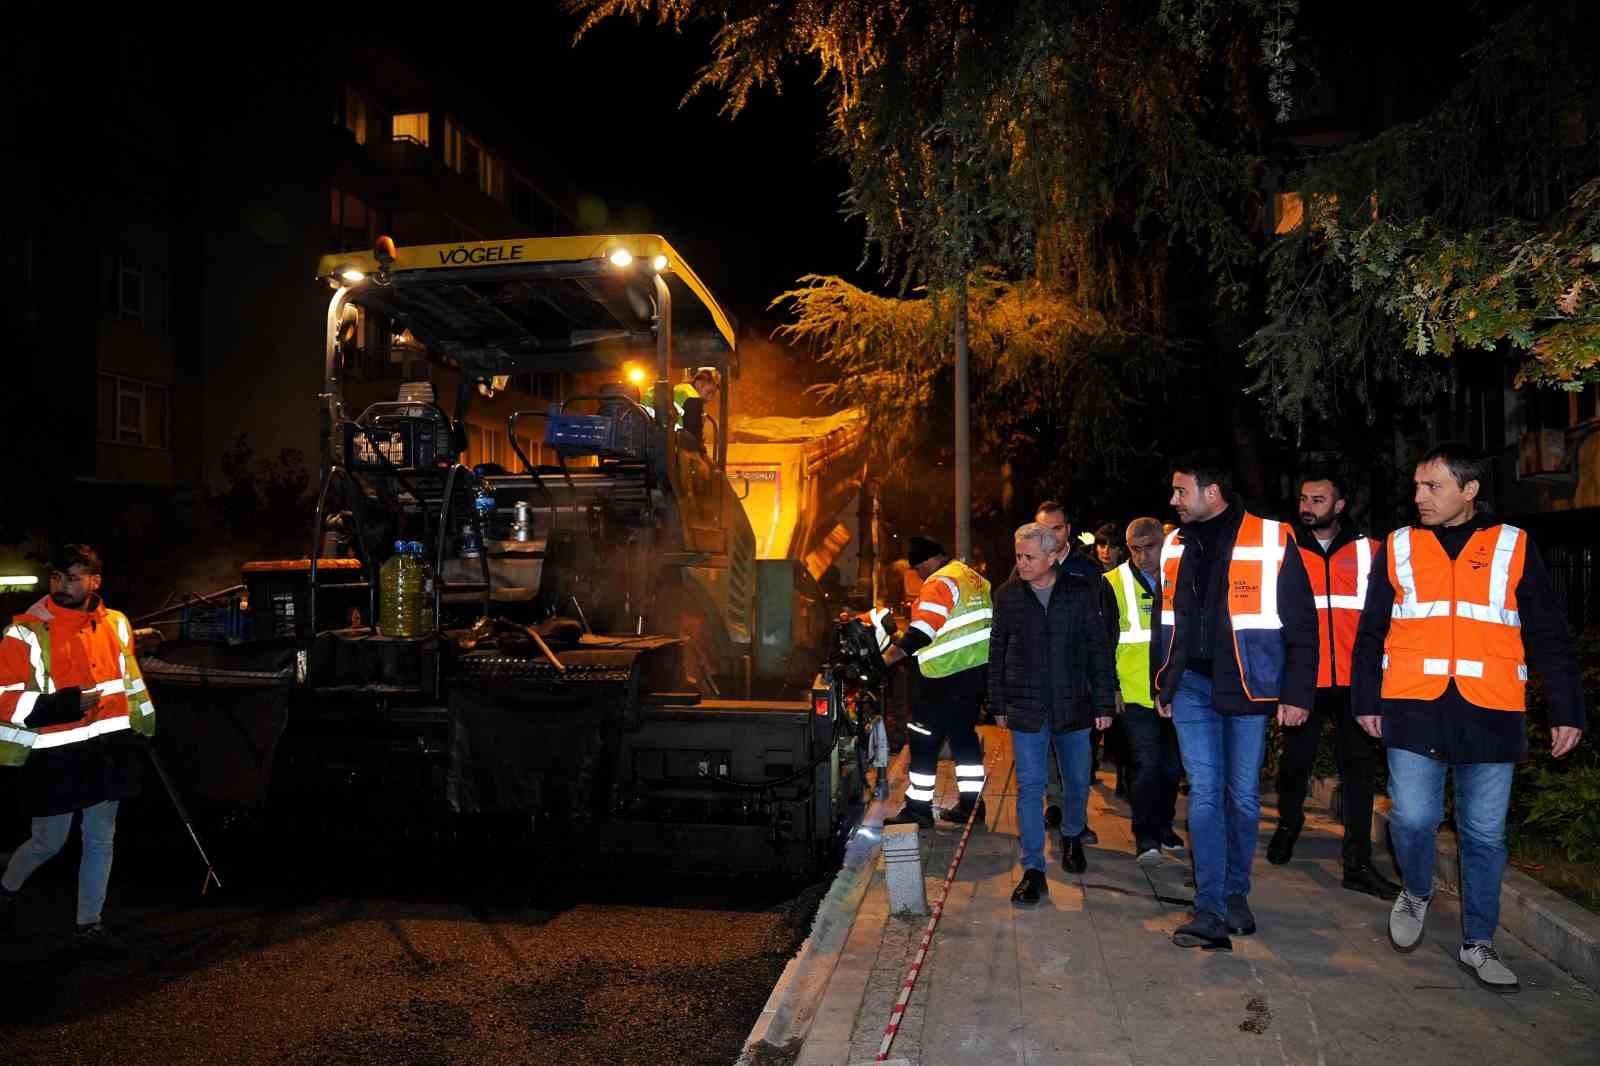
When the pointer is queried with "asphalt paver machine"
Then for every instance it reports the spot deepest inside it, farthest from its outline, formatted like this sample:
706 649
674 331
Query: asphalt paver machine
584 657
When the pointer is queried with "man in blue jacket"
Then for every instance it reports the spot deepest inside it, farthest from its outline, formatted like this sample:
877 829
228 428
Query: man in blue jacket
1236 640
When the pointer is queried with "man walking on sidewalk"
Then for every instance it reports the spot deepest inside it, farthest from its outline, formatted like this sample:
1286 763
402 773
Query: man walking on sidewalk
1152 741
1338 561
1050 679
1236 640
71 699
949 639
1457 608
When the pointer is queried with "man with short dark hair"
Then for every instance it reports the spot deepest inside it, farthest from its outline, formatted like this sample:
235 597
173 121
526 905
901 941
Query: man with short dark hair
1338 561
71 699
1236 641
1457 609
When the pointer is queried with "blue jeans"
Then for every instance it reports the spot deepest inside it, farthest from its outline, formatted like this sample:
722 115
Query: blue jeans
94 869
1030 752
1222 754
1483 792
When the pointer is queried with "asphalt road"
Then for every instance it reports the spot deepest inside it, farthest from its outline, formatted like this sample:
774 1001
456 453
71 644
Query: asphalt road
384 958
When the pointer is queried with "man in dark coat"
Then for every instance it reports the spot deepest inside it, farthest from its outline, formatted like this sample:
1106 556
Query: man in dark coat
1050 679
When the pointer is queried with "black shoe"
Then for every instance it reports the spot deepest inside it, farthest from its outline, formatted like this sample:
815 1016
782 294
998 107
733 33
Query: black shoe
1052 816
1030 888
1364 878
1089 836
1203 930
99 941
1072 858
958 814
1281 848
1173 844
1240 921
910 815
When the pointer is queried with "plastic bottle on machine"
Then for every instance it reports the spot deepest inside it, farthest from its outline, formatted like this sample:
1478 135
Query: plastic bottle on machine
400 591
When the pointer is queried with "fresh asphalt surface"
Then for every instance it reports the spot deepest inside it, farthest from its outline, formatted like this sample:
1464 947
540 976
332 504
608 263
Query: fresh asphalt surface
361 953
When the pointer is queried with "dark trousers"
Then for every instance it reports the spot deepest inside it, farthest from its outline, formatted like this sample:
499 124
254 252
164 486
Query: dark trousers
946 708
1357 755
1156 767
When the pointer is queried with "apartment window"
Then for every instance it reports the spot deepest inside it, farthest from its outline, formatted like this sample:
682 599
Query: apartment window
137 291
412 127
467 156
486 445
458 232
355 115
130 288
355 224
133 412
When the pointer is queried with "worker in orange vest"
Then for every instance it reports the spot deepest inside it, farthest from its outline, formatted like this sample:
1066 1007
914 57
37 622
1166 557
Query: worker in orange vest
1236 640
1457 609
1338 561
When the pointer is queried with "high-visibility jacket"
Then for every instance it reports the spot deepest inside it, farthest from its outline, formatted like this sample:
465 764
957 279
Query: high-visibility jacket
1339 586
1252 596
954 611
1456 619
876 620
681 392
49 649
1135 612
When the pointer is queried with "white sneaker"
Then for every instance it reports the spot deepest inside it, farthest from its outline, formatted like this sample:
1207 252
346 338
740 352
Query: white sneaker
1483 962
1405 921
1150 856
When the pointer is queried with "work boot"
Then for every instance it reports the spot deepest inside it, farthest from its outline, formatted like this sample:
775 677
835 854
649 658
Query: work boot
98 941
922 817
1072 858
1281 848
1030 888
1203 930
1173 845
1052 816
1406 918
1240 921
1089 836
960 812
1482 961
1364 878
1147 853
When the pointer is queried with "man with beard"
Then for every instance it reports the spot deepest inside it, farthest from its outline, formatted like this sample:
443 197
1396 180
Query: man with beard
1338 561
71 698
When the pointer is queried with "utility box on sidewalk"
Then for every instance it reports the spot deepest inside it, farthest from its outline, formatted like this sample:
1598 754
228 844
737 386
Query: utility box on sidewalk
902 869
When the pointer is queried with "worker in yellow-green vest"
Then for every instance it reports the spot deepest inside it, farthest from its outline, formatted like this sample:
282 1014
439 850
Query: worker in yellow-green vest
1152 740
706 384
949 639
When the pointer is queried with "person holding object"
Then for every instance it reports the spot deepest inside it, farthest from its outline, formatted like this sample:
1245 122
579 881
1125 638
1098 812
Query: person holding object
1236 641
949 639
1457 609
1050 679
71 700
1338 561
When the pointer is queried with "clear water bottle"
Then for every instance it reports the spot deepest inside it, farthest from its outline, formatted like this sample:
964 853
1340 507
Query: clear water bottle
483 508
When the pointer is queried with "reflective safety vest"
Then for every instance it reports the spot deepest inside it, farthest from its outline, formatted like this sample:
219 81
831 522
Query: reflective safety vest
1339 586
874 620
1456 618
681 392
955 610
25 649
1135 609
1253 568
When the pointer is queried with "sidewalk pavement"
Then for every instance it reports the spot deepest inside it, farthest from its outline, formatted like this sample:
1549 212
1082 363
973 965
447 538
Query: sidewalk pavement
1090 975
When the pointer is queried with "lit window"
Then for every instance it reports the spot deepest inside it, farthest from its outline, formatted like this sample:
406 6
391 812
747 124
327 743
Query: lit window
355 115
412 127
132 412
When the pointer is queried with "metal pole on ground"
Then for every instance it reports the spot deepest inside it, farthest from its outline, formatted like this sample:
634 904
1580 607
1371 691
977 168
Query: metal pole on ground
183 813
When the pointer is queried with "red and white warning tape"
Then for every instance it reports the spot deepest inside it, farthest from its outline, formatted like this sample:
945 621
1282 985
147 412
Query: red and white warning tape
927 938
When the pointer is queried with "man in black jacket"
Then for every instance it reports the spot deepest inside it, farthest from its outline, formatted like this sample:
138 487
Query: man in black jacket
1464 586
1236 640
1050 678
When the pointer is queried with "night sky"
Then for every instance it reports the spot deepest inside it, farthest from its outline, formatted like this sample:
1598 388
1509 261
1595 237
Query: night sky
752 202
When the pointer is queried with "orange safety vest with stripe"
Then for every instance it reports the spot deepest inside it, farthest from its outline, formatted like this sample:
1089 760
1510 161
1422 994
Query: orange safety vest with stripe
27 673
954 611
1253 567
1456 619
1339 587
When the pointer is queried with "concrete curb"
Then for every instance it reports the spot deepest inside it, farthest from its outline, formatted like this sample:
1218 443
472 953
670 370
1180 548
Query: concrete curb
793 1003
1554 926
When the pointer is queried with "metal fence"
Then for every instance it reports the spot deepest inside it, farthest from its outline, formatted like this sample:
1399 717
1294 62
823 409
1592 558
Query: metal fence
1572 569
